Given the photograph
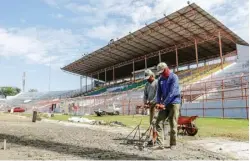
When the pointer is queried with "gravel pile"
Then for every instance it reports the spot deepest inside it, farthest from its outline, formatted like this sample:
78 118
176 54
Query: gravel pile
43 140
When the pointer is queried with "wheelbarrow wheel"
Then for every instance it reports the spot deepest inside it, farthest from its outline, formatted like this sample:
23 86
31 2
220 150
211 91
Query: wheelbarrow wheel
191 129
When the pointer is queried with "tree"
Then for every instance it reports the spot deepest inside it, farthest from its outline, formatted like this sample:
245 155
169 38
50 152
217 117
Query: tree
33 90
9 91
18 90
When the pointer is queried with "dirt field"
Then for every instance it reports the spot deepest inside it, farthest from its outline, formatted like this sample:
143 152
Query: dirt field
50 140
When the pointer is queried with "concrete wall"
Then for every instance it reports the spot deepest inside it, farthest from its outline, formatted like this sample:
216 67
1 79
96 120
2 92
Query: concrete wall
232 109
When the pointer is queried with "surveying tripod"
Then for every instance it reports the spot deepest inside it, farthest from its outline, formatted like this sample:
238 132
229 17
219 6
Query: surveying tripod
151 133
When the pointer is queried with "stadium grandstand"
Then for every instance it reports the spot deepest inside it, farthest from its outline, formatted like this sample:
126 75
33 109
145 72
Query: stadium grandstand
196 46
179 39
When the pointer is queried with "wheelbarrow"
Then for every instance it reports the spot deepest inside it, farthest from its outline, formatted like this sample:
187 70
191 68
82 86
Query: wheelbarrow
186 124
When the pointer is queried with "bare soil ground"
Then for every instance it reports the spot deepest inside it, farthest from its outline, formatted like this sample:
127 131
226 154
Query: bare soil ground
52 140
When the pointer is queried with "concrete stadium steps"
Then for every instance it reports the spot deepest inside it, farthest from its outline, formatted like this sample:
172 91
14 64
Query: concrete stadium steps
185 76
201 72
127 86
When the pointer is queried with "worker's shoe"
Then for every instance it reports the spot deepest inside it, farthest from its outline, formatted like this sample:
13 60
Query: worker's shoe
150 143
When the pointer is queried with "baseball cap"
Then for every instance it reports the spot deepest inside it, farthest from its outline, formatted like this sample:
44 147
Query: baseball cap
160 67
148 73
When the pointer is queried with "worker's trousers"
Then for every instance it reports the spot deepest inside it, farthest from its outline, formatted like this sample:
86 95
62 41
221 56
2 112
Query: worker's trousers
151 112
172 113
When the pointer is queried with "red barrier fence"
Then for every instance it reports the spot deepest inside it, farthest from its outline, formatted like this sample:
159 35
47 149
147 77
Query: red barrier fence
202 92
217 94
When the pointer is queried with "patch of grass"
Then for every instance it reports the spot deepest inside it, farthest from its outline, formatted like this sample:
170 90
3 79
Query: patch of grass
26 114
45 115
235 129
60 117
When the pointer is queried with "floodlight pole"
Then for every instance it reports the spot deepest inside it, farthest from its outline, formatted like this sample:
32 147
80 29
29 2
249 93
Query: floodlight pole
49 71
23 81
146 65
176 58
196 52
220 46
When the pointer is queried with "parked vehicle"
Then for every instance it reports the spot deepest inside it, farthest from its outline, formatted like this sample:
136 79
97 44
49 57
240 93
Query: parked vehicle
109 110
17 109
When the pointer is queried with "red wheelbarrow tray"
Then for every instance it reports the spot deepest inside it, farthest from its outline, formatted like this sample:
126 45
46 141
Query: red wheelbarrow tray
186 119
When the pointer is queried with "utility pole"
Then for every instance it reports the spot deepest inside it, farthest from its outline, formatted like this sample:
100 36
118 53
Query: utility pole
49 71
23 81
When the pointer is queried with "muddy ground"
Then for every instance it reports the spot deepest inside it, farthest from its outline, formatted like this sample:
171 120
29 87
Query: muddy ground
50 140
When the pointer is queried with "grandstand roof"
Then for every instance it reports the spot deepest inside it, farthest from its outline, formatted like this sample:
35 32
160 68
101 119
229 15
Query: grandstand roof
178 30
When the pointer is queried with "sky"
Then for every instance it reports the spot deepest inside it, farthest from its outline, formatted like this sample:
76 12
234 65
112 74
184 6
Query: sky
39 37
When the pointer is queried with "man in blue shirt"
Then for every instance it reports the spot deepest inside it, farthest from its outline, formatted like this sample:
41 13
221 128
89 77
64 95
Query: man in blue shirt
168 101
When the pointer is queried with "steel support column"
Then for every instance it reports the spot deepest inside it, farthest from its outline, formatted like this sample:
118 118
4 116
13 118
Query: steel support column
86 84
133 71
98 78
176 58
220 46
92 83
105 76
159 57
80 83
146 65
113 74
196 53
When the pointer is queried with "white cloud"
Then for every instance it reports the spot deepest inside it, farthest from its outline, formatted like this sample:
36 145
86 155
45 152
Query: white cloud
41 45
52 3
109 19
234 15
80 8
86 20
103 32
105 15
23 20
57 16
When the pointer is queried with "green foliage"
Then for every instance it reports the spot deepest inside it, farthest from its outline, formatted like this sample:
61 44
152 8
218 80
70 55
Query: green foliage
33 90
9 91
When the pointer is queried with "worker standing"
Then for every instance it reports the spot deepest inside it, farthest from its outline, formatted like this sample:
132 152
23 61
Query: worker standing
168 102
150 93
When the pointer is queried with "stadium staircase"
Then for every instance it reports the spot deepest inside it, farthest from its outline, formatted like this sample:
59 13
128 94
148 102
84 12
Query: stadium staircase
199 73
196 77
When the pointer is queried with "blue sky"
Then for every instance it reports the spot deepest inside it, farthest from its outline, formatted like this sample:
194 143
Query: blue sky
34 33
